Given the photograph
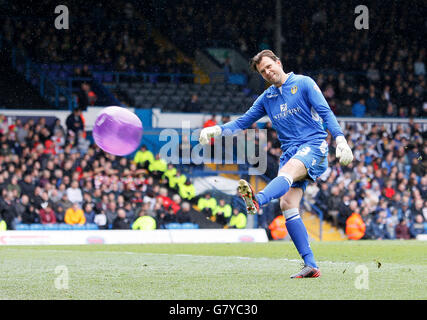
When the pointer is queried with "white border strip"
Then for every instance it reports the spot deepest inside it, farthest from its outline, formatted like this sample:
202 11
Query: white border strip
79 237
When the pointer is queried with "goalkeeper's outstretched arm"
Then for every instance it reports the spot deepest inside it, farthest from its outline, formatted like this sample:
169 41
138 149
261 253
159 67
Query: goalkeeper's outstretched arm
256 112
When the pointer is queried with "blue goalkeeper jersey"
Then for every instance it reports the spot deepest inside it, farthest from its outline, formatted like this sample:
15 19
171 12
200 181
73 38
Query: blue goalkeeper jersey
297 111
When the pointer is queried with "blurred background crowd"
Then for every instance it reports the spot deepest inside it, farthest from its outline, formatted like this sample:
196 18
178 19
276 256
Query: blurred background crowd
380 72
386 184
52 174
55 174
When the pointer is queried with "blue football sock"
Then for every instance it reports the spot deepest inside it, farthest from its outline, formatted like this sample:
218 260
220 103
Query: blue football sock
275 189
299 236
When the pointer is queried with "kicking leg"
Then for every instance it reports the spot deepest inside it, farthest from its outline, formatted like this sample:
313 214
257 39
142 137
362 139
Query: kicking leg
294 170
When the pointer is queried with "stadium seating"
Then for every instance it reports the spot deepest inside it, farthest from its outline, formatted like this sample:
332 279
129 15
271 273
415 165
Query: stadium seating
56 226
173 226
226 98
188 225
51 226
157 84
79 227
23 226
64 226
36 226
345 54
91 226
185 225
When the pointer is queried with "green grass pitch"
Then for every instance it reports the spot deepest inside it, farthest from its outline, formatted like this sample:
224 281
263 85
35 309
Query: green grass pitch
255 271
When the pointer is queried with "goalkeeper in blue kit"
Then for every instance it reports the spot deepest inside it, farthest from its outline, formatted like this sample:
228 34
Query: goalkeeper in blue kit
297 110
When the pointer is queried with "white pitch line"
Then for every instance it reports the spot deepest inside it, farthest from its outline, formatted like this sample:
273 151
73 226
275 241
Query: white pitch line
196 256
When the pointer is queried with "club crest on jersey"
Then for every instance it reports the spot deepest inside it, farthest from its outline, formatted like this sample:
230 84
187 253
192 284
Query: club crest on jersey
294 89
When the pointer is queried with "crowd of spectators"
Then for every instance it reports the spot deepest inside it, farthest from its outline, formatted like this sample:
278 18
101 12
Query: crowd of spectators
112 35
380 72
375 72
52 174
386 184
55 175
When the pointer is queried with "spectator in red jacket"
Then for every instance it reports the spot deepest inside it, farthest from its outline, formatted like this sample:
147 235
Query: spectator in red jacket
164 196
210 122
388 190
49 147
47 215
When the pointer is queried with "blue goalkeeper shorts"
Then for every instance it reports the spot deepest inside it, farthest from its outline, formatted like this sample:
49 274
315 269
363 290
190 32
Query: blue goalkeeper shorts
313 154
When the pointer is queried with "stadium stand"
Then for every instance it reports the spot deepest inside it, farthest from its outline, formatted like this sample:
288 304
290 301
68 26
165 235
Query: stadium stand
387 72
34 178
376 74
371 77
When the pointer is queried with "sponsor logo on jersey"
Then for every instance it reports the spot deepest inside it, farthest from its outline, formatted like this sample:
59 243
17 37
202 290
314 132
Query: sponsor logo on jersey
316 87
286 111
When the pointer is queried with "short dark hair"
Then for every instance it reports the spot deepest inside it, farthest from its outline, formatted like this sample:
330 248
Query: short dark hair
257 58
